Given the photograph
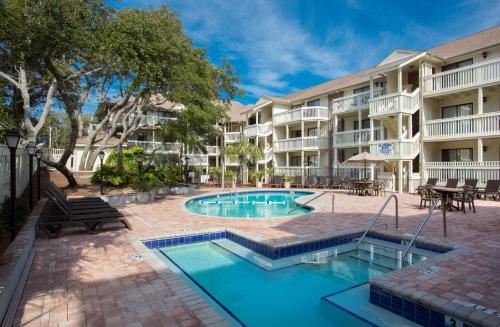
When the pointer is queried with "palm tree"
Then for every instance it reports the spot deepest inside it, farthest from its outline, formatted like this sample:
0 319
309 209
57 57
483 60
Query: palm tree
246 153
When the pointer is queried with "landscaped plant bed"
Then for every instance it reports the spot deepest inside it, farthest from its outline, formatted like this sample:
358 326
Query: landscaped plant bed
182 189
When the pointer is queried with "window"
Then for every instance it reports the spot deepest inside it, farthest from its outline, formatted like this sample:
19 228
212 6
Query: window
457 111
312 131
295 161
312 160
297 106
458 64
365 123
313 103
452 155
141 137
295 134
361 90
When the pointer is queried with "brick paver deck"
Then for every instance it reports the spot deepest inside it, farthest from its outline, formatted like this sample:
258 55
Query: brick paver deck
91 280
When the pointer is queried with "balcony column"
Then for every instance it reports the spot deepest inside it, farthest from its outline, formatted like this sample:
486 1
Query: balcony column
257 118
371 87
479 100
302 165
318 128
287 132
153 138
359 128
303 132
335 128
400 176
480 149
400 131
287 159
410 127
400 79
371 130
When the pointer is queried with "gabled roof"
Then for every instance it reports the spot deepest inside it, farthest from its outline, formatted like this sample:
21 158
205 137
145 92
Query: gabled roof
397 55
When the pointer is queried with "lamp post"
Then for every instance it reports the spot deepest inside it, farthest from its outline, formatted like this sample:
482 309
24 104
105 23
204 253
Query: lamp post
101 156
186 173
31 148
38 155
12 139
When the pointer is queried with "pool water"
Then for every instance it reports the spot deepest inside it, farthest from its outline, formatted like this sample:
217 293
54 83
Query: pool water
289 296
250 204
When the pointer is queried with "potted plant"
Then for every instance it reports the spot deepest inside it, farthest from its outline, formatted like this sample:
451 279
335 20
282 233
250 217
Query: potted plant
144 190
287 181
256 177
230 175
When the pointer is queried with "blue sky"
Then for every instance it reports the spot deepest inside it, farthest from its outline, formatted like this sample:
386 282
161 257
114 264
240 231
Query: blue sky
281 46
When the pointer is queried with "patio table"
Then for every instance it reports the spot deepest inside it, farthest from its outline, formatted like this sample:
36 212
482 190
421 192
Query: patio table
361 186
447 194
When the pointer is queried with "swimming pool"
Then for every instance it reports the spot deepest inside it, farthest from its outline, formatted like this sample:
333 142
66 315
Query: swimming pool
328 290
252 204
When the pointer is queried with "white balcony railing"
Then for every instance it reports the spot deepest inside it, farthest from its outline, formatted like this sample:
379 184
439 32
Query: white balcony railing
351 103
198 159
259 130
229 162
299 171
303 143
397 149
150 120
232 137
267 155
304 113
149 146
480 170
399 102
356 137
459 127
482 73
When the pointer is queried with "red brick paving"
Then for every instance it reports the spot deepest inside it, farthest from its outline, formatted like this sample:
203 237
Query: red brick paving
90 280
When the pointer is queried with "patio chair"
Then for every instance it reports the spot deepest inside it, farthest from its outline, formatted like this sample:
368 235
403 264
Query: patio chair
59 215
467 196
351 189
297 181
452 183
430 181
277 181
336 182
471 182
310 181
427 195
322 182
492 187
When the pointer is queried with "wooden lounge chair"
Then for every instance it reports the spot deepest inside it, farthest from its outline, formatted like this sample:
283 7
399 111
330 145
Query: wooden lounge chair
492 187
452 183
277 181
310 181
322 182
297 181
57 191
59 215
467 196
336 182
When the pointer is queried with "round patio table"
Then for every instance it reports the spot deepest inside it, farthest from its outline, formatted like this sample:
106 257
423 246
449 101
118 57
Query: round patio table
447 194
362 185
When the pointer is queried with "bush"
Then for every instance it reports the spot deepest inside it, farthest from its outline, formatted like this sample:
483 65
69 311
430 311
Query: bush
130 164
256 176
288 178
172 175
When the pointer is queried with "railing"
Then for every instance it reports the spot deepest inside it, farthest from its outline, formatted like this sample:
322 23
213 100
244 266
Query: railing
301 205
232 137
267 155
399 102
421 226
198 159
310 142
397 149
149 120
377 216
259 130
304 113
351 103
22 171
299 171
482 73
229 162
474 125
480 170
149 146
356 137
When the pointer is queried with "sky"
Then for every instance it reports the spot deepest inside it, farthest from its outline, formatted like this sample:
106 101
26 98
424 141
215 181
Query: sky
281 46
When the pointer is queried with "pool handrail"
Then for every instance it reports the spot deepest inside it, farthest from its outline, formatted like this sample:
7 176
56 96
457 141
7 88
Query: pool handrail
377 216
310 200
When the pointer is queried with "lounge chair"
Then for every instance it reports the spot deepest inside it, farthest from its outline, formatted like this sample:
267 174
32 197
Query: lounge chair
277 181
310 181
322 182
467 196
59 215
452 183
427 195
297 181
471 182
336 182
57 191
430 181
492 187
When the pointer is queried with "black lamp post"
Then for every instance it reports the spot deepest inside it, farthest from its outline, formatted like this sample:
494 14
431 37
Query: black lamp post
31 148
38 155
101 156
186 173
12 139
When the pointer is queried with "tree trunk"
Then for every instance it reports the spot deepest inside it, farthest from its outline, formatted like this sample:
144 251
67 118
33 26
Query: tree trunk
119 162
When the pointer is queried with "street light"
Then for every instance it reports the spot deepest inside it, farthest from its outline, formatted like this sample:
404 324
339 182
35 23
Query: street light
101 156
38 155
12 139
31 148
186 173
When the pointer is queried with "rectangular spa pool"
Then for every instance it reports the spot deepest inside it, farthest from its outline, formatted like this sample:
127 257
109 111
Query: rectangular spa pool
331 291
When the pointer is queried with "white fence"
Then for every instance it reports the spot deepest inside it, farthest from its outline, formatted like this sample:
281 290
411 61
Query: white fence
303 143
299 171
395 103
232 137
473 125
22 171
356 137
259 130
482 73
351 103
304 113
480 170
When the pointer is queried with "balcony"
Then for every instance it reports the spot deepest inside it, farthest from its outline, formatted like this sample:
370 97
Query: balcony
480 170
150 120
231 163
149 146
480 74
301 114
232 137
460 127
406 149
351 103
303 143
198 160
299 171
259 130
394 103
355 137
267 156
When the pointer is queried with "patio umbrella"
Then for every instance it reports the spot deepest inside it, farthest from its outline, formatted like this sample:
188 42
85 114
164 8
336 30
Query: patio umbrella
365 158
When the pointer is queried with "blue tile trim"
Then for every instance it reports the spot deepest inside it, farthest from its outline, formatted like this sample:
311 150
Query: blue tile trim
412 311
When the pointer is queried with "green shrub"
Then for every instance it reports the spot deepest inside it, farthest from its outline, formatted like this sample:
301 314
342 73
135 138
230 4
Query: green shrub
172 175
256 176
288 178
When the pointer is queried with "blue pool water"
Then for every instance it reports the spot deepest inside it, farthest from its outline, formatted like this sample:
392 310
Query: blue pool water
249 204
288 296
